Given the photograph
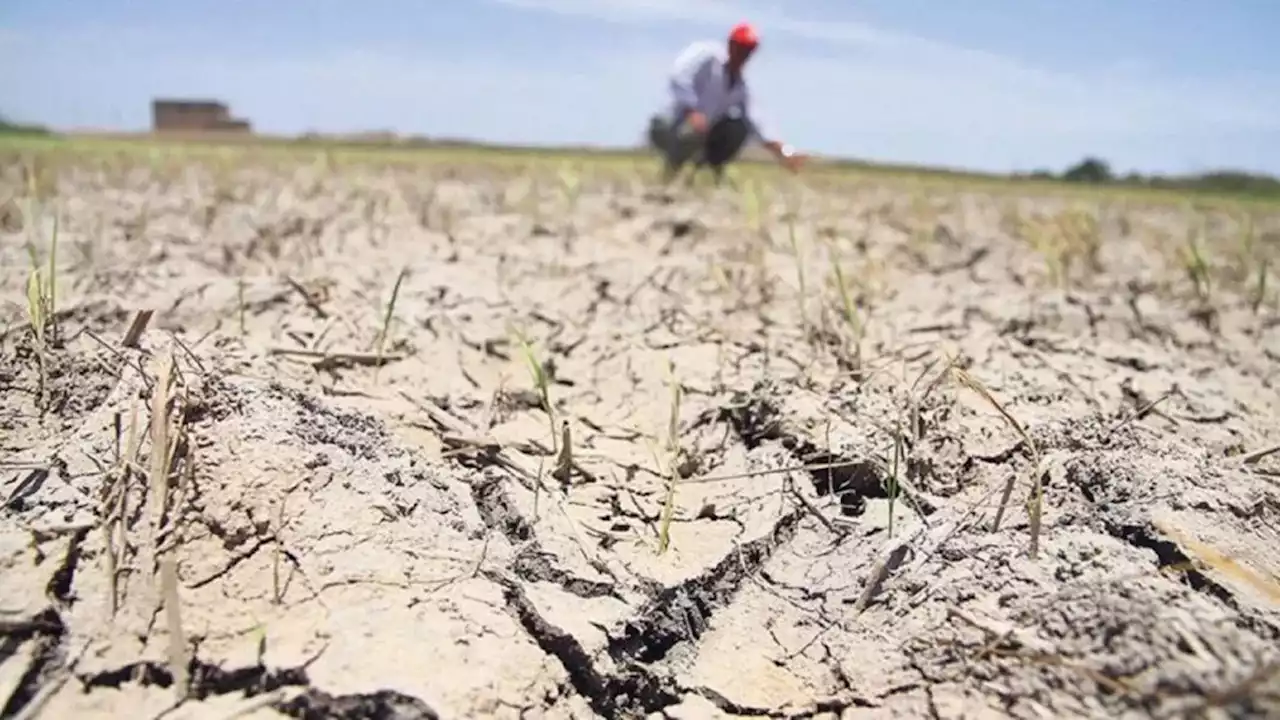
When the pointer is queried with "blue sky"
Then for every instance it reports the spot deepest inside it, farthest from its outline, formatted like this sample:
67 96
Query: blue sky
1154 85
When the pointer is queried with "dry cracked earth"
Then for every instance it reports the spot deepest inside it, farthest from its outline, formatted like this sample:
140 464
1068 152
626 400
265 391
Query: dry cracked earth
786 463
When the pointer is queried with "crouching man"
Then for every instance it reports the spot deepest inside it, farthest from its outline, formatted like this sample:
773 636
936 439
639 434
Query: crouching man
708 121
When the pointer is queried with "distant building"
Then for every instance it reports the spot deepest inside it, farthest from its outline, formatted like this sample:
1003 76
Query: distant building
194 115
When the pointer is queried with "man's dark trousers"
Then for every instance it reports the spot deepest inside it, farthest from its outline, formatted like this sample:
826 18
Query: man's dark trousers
680 143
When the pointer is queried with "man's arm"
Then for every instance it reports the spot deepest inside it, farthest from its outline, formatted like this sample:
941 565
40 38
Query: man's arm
781 151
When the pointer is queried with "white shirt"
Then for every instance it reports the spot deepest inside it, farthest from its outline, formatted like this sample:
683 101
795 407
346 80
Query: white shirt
699 81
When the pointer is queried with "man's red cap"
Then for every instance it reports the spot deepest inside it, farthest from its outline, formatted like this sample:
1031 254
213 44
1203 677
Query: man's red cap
745 35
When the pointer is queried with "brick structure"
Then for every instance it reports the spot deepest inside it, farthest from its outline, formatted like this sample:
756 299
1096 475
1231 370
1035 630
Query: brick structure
194 116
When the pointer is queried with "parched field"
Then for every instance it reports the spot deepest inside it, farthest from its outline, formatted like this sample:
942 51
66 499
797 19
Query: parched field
321 436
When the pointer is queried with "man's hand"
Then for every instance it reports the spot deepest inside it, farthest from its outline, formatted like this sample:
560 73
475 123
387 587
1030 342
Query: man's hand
787 156
697 121
794 161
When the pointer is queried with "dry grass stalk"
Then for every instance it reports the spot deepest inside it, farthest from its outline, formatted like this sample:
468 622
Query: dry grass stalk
515 463
850 312
386 322
541 382
179 662
137 327
1214 558
240 306
1260 454
161 431
42 296
165 434
906 434
563 470
570 184
1065 241
1259 294
277 590
801 277
313 303
782 470
337 357
1247 249
1140 413
1194 262
897 470
673 454
1035 503
889 559
116 511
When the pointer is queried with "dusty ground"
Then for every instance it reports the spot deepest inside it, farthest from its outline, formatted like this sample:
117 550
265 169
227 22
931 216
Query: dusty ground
321 537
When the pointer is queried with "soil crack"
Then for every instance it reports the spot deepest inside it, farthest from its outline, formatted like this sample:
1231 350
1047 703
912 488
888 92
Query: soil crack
48 630
631 692
534 564
682 612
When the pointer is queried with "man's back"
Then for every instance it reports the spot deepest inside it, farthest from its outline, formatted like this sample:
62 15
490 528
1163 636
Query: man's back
699 81
697 55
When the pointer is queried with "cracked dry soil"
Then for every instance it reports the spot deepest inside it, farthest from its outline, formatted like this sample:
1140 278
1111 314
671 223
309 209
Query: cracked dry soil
358 543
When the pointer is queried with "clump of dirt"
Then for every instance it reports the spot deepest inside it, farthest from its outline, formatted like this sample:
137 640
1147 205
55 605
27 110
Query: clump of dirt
454 442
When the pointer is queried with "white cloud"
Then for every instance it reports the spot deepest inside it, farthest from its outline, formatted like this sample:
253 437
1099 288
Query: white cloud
703 11
769 19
